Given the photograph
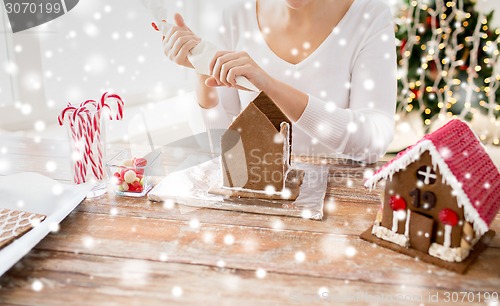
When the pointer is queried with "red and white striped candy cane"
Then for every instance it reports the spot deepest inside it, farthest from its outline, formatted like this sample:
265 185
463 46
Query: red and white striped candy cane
85 127
76 137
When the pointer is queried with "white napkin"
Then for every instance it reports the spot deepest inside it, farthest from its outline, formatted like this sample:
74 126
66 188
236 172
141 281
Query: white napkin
201 56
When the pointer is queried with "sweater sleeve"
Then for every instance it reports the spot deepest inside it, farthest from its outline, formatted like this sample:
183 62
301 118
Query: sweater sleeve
221 116
364 130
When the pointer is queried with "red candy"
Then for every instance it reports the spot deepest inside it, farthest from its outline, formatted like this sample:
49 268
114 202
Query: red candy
397 203
118 178
138 168
140 162
448 217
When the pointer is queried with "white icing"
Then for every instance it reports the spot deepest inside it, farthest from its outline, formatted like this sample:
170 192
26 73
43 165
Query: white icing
286 151
447 235
447 253
407 224
395 221
470 212
386 234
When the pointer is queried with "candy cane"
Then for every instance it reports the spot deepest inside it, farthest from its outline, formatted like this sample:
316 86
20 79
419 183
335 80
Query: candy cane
76 132
85 127
87 119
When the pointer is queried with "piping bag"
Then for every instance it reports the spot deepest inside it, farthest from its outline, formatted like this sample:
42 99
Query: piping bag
202 54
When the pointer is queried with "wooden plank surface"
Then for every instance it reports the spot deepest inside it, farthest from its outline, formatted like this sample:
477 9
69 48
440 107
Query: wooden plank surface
115 250
95 279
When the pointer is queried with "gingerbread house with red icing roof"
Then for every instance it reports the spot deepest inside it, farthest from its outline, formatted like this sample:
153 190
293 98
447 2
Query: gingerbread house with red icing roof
441 194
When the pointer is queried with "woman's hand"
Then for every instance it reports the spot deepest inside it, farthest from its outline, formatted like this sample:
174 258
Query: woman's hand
178 41
227 65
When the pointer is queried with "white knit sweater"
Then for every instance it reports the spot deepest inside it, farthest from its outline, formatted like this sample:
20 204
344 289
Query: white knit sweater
350 80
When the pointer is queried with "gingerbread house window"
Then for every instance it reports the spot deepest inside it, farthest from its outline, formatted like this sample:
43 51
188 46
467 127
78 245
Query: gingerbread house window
426 175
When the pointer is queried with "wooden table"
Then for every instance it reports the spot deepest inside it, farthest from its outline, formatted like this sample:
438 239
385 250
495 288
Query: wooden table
124 251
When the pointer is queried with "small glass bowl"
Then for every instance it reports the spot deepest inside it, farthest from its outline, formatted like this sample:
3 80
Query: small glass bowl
132 176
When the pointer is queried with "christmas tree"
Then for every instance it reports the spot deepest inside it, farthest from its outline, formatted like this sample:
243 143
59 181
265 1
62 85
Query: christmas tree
448 64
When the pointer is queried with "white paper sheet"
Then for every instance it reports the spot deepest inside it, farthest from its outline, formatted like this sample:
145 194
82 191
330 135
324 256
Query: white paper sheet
35 193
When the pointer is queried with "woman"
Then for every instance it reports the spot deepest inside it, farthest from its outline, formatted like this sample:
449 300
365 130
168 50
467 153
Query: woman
329 65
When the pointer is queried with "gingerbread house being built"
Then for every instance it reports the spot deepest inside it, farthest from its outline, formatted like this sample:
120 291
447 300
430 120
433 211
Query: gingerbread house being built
441 194
256 153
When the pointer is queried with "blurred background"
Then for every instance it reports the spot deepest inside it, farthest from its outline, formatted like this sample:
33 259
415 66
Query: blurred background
110 46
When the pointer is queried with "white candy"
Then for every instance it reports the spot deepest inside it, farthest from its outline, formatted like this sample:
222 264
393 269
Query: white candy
129 176
127 163
124 186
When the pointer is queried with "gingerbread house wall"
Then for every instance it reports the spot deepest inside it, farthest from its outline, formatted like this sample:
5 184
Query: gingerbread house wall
259 158
403 182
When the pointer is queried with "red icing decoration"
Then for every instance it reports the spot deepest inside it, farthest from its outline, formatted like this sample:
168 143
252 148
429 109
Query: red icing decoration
448 217
397 203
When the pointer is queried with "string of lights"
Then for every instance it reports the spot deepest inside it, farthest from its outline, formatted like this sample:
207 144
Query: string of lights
448 64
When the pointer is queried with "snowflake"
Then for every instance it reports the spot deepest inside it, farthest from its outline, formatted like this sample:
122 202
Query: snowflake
163 257
352 127
57 189
228 239
277 224
323 292
113 211
306 214
286 193
445 152
4 165
37 285
54 227
88 242
26 109
368 173
135 273
208 237
220 263
269 190
300 257
194 223
168 204
330 205
349 183
260 273
401 215
91 29
330 107
51 166
369 84
39 125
